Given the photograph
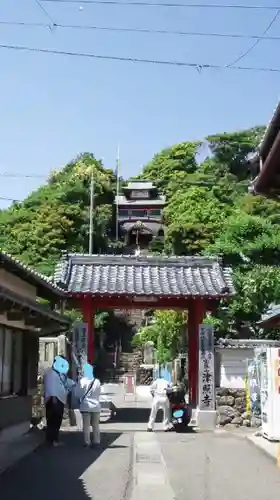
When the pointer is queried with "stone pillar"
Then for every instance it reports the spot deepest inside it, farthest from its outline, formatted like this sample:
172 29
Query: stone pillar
88 317
195 317
62 345
206 411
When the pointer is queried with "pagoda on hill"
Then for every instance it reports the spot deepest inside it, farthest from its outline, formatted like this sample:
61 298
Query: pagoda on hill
139 212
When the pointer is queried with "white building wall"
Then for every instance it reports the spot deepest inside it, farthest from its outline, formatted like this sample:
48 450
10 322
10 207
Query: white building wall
233 368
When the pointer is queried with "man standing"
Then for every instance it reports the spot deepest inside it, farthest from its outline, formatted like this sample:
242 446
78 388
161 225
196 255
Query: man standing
158 390
57 386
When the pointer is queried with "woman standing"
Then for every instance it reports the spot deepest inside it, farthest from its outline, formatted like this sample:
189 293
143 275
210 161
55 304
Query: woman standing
88 391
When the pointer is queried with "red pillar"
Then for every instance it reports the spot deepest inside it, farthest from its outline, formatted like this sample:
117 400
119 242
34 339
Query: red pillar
88 317
195 318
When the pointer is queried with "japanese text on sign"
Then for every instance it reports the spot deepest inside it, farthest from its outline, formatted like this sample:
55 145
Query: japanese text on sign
206 368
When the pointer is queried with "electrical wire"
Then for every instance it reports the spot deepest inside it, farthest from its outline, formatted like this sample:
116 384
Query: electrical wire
9 199
45 12
197 66
140 30
158 4
23 176
262 37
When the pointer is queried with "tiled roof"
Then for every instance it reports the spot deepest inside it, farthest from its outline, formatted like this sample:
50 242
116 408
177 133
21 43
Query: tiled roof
245 343
122 200
28 272
271 313
255 156
147 225
33 306
142 185
143 275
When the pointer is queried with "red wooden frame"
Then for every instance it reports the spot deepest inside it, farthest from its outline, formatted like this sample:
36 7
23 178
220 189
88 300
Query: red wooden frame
196 306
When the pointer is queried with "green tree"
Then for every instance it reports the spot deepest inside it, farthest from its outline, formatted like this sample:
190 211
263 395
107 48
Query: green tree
256 289
56 216
193 217
167 333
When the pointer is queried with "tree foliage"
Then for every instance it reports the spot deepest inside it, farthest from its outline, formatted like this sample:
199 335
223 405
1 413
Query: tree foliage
167 333
56 216
208 212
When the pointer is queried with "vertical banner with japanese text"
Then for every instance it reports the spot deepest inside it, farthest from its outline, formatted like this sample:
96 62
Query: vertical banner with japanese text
80 342
206 369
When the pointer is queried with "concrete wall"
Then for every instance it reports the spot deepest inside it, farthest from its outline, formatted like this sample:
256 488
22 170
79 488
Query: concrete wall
231 367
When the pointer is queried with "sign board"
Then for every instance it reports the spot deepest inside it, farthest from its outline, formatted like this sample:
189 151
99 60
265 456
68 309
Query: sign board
144 298
129 385
139 194
253 385
80 342
206 370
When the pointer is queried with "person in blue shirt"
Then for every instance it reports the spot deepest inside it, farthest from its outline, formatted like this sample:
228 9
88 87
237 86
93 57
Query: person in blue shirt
56 389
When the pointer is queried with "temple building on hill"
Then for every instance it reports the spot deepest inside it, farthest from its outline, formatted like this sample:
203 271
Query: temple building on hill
139 212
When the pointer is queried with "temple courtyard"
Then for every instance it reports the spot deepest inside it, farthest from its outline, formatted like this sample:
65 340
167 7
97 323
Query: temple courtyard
133 464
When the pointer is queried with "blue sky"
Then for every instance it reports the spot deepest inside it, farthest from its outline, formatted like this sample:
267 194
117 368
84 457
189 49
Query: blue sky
54 107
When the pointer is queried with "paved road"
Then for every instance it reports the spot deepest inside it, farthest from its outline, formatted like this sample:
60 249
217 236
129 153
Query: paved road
168 466
220 465
72 472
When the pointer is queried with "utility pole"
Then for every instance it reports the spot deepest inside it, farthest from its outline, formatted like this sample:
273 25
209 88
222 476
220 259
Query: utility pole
117 196
90 246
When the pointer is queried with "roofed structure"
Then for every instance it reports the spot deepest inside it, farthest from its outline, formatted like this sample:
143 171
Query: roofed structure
266 161
271 317
121 275
224 343
45 287
139 213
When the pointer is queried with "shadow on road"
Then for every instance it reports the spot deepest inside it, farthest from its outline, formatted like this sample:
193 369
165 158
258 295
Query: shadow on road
134 415
54 474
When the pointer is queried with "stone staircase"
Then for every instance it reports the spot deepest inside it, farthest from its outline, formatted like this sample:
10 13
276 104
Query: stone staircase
126 362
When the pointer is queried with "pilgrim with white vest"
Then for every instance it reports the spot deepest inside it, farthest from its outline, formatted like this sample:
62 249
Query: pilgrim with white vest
88 390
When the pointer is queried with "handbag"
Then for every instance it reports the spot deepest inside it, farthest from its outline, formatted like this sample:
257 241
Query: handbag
74 402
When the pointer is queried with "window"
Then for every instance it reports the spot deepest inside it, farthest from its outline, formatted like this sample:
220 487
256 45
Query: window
10 361
123 213
155 212
139 194
138 213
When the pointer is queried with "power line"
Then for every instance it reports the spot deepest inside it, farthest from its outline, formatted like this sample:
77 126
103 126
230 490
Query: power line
22 176
158 4
45 12
9 199
140 30
197 66
262 37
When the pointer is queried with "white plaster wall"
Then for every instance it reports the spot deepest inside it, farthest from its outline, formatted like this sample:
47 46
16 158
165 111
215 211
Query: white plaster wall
233 367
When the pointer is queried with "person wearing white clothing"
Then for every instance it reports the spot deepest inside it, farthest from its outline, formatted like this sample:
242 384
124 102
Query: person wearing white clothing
158 390
88 391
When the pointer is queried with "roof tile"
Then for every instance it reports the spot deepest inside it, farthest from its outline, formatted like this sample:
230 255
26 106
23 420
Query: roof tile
143 275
